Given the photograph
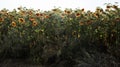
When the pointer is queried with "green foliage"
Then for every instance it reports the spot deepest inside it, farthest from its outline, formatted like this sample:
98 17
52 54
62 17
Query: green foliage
53 36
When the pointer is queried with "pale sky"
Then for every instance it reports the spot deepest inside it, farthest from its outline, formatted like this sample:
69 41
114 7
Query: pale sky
50 4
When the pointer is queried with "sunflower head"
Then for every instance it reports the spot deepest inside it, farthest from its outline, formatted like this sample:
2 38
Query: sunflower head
82 9
21 20
89 22
117 19
62 15
41 14
108 6
1 19
37 14
115 6
81 23
67 11
32 19
54 10
34 23
13 24
46 16
77 14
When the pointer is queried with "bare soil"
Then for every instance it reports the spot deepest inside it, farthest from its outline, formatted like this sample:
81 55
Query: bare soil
17 63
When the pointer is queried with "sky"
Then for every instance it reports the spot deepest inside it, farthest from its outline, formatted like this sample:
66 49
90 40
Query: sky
50 4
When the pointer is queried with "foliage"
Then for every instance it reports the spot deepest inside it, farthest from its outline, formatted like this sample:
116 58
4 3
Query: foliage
69 36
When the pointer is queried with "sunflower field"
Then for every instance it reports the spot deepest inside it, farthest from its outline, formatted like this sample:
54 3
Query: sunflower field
70 38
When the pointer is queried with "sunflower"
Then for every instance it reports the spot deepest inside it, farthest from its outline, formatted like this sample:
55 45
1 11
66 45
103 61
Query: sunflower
77 14
67 12
62 15
108 6
1 19
30 12
82 9
46 16
13 24
54 10
115 7
34 23
95 15
32 19
89 22
41 14
21 20
117 19
81 23
37 14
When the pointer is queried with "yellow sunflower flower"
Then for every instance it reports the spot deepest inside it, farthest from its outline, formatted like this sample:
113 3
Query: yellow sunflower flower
21 20
13 24
34 23
67 12
77 14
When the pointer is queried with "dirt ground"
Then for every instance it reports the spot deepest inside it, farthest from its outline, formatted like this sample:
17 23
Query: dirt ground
17 63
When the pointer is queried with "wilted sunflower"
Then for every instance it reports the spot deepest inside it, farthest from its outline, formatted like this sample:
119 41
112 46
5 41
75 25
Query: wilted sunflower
13 24
34 23
21 20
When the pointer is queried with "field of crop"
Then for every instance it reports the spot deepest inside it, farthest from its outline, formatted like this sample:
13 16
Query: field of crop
62 38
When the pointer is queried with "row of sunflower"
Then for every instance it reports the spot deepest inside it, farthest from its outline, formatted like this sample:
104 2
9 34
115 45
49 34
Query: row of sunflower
41 34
